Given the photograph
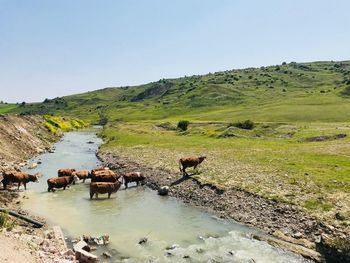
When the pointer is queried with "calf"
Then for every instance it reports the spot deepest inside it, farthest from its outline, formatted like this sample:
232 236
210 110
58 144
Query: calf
82 175
104 188
18 177
65 172
104 176
60 182
133 177
191 161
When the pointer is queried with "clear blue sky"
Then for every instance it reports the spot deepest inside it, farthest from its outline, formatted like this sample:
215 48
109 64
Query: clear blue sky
56 48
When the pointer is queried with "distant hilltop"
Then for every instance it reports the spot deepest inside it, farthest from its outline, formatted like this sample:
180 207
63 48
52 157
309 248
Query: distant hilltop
287 92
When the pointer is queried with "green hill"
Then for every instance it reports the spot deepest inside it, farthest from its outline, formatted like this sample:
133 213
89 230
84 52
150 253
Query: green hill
5 108
298 151
315 91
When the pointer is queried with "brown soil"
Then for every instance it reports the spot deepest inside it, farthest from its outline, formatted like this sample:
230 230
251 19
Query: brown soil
13 250
21 138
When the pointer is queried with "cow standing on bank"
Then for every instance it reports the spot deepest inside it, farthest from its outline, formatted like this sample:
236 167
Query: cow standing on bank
191 161
18 177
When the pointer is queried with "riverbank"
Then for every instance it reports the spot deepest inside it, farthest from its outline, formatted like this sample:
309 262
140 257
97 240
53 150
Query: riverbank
23 137
294 229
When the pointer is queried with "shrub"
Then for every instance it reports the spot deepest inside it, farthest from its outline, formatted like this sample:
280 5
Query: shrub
183 124
6 222
50 127
247 125
78 124
3 219
103 120
346 91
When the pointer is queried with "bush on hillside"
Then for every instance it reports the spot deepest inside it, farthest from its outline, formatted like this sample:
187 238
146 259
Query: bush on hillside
103 119
247 125
183 124
346 91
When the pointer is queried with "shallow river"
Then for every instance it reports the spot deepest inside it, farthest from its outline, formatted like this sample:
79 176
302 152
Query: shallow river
194 236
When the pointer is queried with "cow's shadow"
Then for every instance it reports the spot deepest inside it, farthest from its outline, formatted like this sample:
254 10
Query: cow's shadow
182 179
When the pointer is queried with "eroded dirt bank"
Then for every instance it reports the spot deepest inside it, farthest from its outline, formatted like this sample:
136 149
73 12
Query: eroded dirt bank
21 138
293 229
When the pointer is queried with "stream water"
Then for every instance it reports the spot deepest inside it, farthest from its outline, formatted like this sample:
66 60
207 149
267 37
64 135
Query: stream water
175 232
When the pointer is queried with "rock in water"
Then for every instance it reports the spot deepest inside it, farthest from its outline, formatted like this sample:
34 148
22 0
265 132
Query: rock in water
164 190
143 241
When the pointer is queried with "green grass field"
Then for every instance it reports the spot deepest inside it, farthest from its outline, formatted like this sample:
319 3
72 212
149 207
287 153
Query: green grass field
273 160
6 108
293 105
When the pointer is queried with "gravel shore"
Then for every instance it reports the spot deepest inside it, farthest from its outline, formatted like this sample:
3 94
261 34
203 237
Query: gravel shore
293 229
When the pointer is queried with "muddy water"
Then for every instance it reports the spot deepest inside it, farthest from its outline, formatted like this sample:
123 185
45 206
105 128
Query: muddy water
175 231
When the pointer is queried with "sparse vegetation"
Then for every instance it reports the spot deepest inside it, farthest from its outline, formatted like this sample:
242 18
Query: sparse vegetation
6 222
247 125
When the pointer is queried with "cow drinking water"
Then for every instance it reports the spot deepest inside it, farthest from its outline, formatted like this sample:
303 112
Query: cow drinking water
82 174
191 161
60 182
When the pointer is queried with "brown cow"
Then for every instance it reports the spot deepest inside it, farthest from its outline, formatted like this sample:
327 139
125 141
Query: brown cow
82 175
99 169
133 177
104 188
60 182
191 161
18 177
65 172
104 176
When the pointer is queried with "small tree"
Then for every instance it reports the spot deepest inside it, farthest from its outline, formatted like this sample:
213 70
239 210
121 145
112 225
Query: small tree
103 117
183 124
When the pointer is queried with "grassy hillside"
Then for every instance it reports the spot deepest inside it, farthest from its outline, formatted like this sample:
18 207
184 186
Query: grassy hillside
5 108
291 92
298 152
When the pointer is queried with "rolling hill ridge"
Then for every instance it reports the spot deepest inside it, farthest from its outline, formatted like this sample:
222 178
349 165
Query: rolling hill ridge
317 91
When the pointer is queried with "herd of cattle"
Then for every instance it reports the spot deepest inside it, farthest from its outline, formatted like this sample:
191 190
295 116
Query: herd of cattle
103 180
